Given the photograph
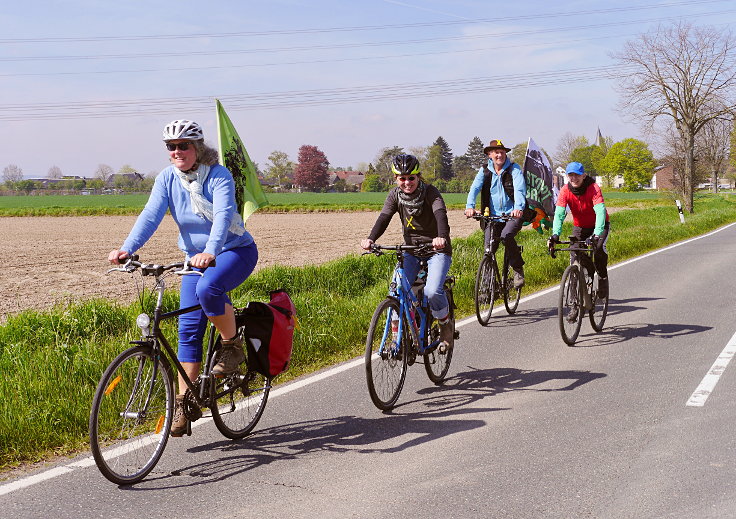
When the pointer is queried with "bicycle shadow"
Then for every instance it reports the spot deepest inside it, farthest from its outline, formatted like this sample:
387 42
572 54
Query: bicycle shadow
440 411
627 332
354 434
624 306
520 318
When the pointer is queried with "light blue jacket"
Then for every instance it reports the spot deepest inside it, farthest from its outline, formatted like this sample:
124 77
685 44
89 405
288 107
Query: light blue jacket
196 233
499 201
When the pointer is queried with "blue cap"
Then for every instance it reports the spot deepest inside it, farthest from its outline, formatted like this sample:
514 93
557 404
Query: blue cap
576 168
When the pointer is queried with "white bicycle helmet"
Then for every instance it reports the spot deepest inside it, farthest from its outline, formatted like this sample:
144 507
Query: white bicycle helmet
183 129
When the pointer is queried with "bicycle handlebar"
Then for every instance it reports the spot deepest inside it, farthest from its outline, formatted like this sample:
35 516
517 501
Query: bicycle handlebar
584 246
378 249
151 269
491 218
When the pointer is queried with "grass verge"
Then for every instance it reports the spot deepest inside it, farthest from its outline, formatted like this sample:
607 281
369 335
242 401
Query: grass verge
51 361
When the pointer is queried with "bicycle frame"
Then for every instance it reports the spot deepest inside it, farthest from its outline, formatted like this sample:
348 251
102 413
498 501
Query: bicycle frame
582 285
155 339
400 289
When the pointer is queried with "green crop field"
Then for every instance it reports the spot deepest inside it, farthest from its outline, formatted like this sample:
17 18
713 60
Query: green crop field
80 205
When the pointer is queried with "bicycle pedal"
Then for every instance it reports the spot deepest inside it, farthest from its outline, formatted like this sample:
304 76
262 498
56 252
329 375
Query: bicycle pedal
456 335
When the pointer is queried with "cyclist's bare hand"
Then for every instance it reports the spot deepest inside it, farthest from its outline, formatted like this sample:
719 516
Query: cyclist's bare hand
201 260
366 244
470 212
516 213
117 256
439 243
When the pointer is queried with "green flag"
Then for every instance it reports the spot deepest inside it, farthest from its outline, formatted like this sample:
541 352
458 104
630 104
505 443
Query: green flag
249 195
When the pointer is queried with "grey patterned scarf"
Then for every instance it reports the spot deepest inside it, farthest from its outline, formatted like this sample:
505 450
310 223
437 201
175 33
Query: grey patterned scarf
414 202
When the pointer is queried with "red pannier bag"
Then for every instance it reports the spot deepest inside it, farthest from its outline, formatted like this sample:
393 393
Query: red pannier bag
268 329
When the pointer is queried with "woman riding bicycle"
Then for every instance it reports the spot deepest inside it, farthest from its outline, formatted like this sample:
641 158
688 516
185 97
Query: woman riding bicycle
424 221
590 219
200 195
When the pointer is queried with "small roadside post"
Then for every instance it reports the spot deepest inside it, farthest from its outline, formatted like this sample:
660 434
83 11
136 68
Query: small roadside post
679 210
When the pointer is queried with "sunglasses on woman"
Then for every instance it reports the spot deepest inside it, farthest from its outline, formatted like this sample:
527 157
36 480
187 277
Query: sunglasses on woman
183 146
410 178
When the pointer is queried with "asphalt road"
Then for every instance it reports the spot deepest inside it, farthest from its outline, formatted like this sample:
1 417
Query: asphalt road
524 427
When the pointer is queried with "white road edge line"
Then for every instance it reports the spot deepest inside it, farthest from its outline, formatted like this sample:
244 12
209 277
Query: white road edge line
288 388
708 384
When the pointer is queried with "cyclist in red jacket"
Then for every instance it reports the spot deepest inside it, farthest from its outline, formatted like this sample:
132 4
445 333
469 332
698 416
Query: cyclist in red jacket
589 217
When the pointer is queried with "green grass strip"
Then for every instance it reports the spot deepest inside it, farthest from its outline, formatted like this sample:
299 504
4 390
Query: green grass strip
51 361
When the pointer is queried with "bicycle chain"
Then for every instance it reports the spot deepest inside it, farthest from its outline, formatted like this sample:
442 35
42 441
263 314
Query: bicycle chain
192 411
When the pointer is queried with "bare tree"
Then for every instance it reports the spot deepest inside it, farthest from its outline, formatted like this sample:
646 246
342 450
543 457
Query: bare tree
103 172
12 173
713 145
681 72
567 144
54 172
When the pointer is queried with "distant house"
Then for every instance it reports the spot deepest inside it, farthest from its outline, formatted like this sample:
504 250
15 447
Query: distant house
664 178
352 179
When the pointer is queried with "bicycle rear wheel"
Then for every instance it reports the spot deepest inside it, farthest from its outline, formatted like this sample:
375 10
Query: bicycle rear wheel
570 307
386 355
131 415
437 363
600 308
239 400
511 295
484 293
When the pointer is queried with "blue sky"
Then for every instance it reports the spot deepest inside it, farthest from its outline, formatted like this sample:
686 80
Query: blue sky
89 82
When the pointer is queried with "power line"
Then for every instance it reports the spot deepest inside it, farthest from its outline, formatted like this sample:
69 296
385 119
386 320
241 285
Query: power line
303 98
342 46
495 20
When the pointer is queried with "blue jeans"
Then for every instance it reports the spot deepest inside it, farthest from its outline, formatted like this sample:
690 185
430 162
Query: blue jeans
210 291
437 267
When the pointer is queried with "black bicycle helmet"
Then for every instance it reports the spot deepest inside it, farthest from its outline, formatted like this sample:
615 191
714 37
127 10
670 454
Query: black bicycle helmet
405 164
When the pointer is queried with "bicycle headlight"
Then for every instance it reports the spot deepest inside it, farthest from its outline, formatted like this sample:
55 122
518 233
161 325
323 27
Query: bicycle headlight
144 323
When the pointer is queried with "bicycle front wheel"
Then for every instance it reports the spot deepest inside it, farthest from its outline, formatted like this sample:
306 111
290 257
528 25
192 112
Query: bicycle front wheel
600 308
484 292
511 295
386 355
131 415
570 307
437 363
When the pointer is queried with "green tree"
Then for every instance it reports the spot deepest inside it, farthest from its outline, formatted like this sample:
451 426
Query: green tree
584 155
280 169
373 183
518 153
25 185
632 159
462 167
432 166
474 154
445 171
382 162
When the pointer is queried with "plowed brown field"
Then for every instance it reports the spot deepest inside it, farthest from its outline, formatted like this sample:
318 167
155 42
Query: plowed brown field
49 260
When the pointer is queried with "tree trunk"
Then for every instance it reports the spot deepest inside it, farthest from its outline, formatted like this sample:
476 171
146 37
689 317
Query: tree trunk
689 173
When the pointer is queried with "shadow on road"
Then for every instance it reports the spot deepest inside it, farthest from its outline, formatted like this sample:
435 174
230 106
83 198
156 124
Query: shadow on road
439 411
623 333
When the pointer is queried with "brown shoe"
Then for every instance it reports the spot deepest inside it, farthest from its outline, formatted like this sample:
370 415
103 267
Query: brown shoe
447 335
519 278
231 356
180 424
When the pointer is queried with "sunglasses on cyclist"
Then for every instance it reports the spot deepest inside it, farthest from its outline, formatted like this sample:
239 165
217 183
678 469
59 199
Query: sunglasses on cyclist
410 178
183 146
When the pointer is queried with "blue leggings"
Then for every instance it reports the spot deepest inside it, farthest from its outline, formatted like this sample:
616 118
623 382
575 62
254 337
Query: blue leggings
210 290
